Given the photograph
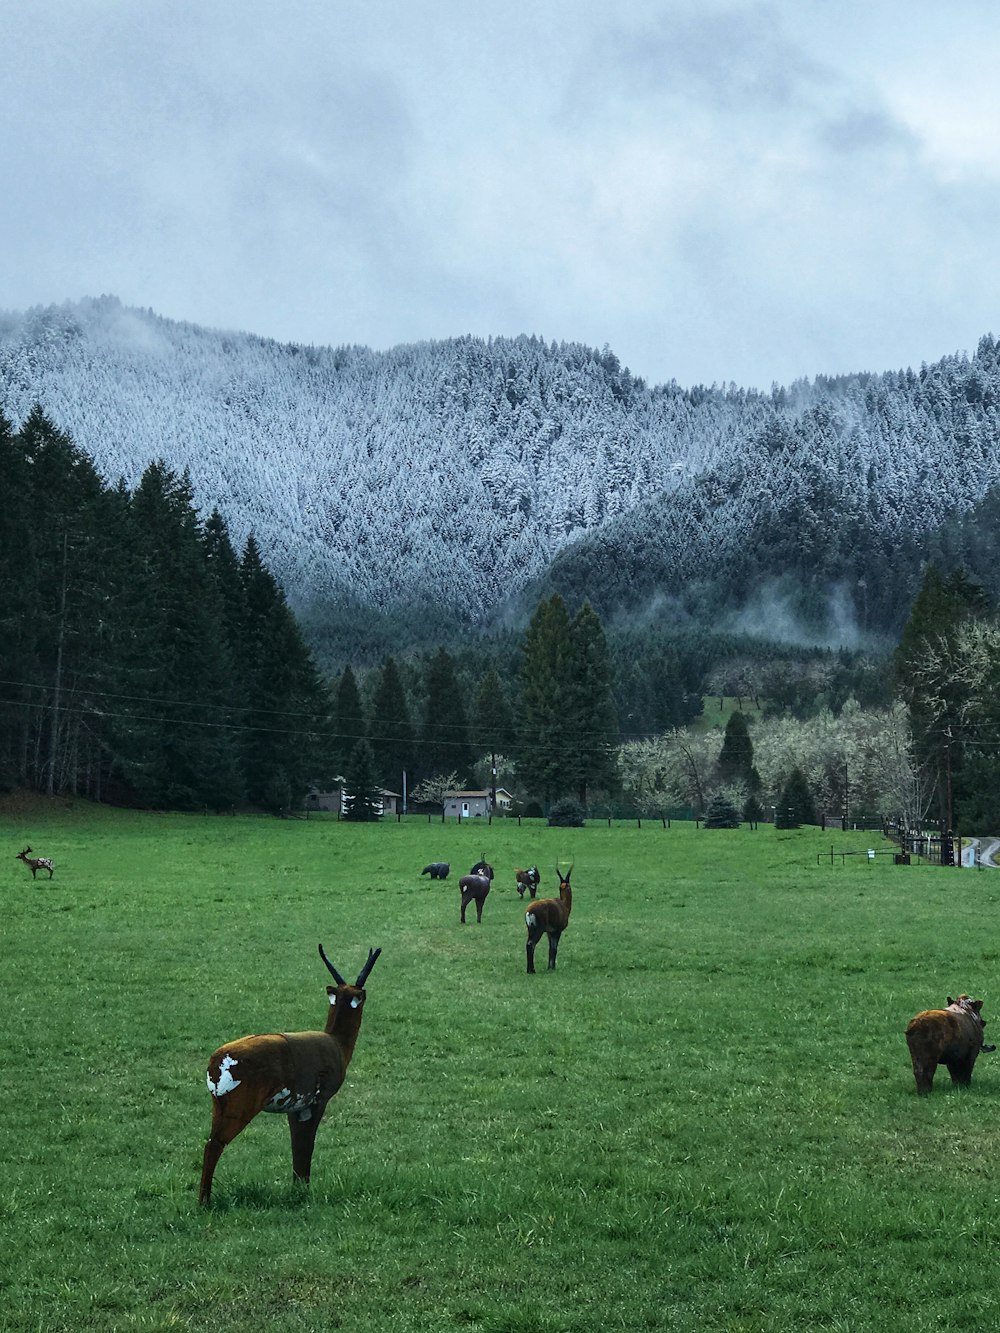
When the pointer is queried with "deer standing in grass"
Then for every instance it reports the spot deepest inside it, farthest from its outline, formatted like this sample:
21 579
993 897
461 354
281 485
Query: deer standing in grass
549 916
475 887
35 863
526 881
295 1073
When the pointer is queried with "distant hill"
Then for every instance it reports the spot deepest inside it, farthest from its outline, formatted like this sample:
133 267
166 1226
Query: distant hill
451 483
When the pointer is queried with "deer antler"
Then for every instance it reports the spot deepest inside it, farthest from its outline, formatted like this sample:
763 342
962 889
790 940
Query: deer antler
333 971
363 974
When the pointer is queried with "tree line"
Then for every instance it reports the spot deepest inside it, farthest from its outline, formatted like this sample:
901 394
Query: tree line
145 660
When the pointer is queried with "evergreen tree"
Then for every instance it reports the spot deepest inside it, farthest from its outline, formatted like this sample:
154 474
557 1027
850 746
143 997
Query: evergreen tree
288 709
360 795
545 667
445 744
392 739
931 680
591 720
736 757
721 813
570 727
175 742
795 805
18 600
492 723
349 725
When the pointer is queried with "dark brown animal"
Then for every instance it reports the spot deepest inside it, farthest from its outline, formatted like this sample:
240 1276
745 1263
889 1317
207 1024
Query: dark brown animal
437 870
295 1073
549 916
475 889
35 863
527 880
951 1037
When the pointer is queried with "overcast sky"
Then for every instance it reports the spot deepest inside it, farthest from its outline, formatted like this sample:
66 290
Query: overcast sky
747 192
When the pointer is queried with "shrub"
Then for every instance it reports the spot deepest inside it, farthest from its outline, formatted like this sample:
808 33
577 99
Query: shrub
567 813
721 813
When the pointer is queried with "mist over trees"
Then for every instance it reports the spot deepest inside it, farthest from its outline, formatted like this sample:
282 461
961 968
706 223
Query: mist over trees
577 561
511 468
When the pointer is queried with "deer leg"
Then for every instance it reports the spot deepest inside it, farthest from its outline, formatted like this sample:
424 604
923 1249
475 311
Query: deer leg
532 941
479 910
228 1120
303 1133
553 948
465 903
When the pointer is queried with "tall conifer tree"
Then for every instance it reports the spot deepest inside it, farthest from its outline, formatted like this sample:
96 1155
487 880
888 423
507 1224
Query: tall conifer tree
444 741
391 737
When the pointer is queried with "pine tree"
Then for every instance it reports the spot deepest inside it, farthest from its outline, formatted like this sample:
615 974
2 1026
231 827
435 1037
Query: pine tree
544 670
570 726
175 737
795 805
592 723
361 797
444 739
931 682
288 709
492 722
392 738
736 757
349 724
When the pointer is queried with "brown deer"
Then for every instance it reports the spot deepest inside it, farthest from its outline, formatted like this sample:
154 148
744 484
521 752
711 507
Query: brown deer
35 863
952 1037
295 1073
527 880
549 916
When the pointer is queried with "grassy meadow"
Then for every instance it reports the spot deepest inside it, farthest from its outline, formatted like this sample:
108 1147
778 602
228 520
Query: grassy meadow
704 1119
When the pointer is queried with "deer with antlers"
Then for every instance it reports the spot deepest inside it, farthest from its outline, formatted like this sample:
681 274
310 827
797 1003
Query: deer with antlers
295 1073
549 916
35 863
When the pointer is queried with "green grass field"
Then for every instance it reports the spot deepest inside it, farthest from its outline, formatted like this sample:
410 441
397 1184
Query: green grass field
705 1119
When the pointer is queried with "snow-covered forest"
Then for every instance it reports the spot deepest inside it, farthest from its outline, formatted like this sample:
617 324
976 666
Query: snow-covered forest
456 482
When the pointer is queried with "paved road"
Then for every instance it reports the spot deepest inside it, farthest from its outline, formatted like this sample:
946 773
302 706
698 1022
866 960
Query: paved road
987 849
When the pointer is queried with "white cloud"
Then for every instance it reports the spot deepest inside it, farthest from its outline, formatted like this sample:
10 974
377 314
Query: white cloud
743 191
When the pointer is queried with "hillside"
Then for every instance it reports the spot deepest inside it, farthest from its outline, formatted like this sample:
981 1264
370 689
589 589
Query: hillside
455 481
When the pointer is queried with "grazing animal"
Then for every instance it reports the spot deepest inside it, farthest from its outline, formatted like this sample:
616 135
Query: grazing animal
527 880
437 870
293 1072
35 863
549 916
475 889
482 867
952 1037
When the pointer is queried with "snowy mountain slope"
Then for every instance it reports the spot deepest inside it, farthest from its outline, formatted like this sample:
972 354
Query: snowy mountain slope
449 472
461 474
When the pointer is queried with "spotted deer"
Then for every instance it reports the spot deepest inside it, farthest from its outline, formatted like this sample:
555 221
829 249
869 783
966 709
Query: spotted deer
295 1073
36 863
549 916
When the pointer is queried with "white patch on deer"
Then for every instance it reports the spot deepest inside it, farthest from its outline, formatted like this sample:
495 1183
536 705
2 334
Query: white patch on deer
529 918
288 1102
355 1003
226 1082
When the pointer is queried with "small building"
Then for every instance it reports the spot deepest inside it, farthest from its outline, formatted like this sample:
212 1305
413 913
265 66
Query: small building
335 801
467 804
505 802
